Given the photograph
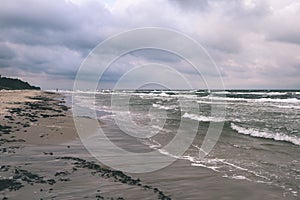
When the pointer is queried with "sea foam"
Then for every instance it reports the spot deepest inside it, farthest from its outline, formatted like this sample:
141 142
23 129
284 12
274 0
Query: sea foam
267 135
202 118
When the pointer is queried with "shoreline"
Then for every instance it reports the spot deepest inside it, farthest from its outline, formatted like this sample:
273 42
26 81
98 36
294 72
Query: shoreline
43 158
40 154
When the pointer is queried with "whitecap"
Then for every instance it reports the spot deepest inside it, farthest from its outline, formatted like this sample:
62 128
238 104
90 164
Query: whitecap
267 135
202 118
164 107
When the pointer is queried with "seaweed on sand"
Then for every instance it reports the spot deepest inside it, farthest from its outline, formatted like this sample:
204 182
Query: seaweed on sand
118 176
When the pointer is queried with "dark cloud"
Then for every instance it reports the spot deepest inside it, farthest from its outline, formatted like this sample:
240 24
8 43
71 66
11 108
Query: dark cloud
53 23
255 39
50 37
193 5
286 32
31 14
156 55
6 53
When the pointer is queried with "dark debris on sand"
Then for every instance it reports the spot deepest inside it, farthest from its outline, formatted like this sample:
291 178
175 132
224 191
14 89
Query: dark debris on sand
19 178
118 176
23 117
10 184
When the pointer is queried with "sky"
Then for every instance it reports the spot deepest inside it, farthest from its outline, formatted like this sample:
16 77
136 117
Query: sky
255 44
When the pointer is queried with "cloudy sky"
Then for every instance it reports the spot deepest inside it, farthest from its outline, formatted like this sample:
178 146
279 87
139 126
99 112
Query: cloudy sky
254 43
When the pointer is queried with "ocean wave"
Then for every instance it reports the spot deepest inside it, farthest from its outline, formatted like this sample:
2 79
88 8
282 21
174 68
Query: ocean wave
221 92
277 103
288 100
224 166
214 98
202 118
152 95
164 107
260 93
267 135
214 168
215 164
213 102
276 93
286 106
237 177
164 152
153 144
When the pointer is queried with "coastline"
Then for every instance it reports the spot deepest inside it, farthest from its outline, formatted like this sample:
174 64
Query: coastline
43 158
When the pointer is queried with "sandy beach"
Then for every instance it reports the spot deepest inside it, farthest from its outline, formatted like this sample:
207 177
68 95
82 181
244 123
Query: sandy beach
149 100
42 158
40 155
36 117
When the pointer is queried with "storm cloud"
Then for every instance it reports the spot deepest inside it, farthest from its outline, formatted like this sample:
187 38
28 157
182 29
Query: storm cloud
254 43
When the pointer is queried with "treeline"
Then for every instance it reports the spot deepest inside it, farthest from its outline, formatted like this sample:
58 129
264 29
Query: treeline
15 84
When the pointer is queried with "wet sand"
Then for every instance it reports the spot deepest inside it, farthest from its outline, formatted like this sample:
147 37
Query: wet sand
42 158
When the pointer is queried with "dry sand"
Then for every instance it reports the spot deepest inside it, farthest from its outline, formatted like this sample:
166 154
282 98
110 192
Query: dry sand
32 123
13 98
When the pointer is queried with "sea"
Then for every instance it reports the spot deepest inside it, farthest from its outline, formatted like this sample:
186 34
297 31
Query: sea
259 139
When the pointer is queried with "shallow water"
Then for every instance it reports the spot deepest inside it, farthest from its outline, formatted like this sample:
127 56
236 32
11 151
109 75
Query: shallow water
260 140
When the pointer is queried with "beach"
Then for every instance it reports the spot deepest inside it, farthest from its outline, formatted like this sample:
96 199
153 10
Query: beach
149 100
42 157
